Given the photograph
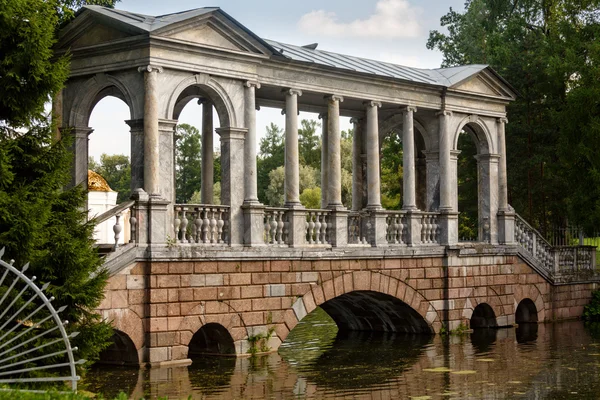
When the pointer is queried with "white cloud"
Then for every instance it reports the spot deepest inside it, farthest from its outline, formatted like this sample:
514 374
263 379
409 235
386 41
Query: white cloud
392 19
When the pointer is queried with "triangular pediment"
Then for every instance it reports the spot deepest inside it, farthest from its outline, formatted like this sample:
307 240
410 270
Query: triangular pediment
215 29
91 30
486 83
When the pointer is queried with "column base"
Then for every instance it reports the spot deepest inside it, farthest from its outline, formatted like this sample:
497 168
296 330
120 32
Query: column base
296 220
338 232
506 227
448 221
413 217
254 226
376 227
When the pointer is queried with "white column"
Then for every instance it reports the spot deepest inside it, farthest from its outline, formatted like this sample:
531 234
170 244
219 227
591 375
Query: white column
250 183
373 180
334 187
502 176
151 133
445 145
292 162
324 160
357 181
408 161
208 169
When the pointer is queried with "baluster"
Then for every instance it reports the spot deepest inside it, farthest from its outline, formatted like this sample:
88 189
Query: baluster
286 227
280 226
176 223
220 225
205 226
401 228
324 225
267 227
117 230
318 218
213 226
435 228
133 226
273 230
184 224
198 224
311 228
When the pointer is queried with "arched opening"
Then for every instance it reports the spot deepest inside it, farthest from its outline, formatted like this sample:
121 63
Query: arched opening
122 351
483 317
526 312
108 154
196 147
473 186
211 339
373 311
319 344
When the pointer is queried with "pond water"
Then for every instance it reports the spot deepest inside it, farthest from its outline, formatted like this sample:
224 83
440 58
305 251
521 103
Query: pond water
545 361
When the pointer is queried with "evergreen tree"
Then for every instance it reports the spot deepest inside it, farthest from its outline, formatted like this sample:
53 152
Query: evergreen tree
116 170
271 156
40 222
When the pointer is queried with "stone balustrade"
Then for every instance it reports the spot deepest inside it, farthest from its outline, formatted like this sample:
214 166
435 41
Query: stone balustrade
117 212
276 226
397 227
317 222
559 260
201 224
356 228
430 228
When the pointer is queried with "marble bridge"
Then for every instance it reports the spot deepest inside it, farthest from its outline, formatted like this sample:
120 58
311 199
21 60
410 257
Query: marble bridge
209 279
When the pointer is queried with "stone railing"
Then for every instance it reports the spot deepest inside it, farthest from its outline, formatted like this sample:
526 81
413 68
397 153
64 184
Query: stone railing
317 222
555 260
534 243
430 228
357 230
396 227
201 223
276 226
117 212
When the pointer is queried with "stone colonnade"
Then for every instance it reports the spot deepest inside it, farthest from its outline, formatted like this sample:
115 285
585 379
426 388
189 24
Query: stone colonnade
153 164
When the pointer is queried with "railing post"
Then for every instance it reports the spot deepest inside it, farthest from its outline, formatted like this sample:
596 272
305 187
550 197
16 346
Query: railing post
413 218
506 227
338 228
297 227
448 227
140 212
254 227
377 227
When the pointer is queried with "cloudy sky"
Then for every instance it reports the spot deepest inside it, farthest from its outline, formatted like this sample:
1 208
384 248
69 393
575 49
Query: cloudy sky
389 30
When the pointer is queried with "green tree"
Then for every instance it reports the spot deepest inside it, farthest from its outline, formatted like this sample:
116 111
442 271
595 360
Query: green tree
311 198
188 164
391 172
116 169
548 50
275 192
271 156
40 221
309 144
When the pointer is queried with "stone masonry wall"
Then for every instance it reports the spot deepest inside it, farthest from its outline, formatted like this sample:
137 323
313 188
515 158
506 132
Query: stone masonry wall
160 305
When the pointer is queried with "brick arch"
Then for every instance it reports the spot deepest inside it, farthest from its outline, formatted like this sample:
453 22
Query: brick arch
491 298
358 281
532 292
129 323
196 319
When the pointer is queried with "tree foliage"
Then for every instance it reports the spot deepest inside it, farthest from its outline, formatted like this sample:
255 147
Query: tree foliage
548 50
188 163
116 170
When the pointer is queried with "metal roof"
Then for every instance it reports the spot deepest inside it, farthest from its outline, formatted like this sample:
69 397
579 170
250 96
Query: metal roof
446 77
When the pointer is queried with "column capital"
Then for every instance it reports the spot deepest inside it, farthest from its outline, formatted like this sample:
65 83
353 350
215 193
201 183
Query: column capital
323 115
502 120
356 120
136 124
292 91
372 103
334 97
454 154
232 133
254 84
150 68
204 100
445 113
406 109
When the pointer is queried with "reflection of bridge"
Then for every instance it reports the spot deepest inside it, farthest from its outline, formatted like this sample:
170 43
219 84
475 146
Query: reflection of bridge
212 276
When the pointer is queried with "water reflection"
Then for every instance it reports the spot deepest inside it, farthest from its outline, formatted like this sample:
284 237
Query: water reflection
546 361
